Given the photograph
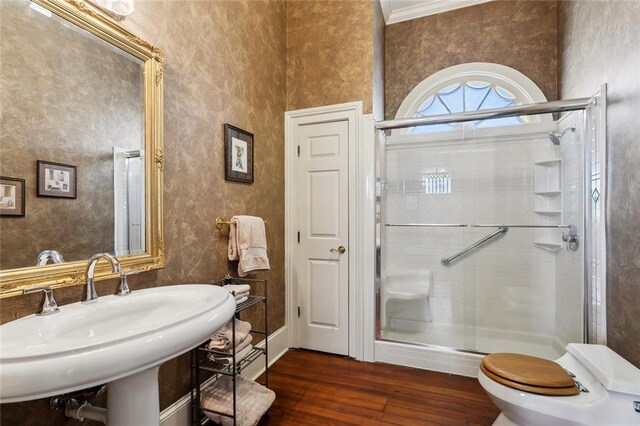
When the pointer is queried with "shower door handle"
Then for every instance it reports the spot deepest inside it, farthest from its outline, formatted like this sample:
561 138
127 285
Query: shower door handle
339 250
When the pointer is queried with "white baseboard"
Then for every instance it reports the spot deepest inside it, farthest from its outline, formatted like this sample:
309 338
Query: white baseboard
278 346
179 413
446 361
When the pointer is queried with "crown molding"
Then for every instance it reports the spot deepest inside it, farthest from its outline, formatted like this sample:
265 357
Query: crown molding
387 9
422 8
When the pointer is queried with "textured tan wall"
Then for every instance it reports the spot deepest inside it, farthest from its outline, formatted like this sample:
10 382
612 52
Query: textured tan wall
225 62
329 53
378 62
520 34
599 43
53 109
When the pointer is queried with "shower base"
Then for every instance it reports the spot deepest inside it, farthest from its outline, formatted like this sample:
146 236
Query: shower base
480 340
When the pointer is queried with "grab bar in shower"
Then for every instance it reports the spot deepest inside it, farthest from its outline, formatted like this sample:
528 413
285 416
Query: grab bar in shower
447 260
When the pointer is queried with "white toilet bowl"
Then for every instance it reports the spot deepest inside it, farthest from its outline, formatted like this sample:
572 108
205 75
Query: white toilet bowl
613 397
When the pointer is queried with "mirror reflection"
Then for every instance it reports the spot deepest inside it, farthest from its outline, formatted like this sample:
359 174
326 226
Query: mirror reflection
72 118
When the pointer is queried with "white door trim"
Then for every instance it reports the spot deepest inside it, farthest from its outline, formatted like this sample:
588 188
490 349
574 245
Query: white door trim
352 112
367 239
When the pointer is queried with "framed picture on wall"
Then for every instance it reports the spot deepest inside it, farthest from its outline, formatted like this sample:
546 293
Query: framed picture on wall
12 199
238 154
57 180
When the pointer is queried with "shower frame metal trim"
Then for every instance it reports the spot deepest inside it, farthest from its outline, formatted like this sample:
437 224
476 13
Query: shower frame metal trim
528 109
465 225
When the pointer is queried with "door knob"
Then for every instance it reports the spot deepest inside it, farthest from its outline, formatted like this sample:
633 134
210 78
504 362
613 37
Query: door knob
340 250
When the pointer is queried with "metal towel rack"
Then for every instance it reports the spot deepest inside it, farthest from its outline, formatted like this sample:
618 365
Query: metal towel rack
221 222
447 260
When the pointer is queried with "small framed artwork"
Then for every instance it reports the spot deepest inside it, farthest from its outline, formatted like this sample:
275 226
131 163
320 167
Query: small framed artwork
238 154
11 196
57 180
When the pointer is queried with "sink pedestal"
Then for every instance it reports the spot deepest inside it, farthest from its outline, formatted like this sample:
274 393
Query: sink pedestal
134 400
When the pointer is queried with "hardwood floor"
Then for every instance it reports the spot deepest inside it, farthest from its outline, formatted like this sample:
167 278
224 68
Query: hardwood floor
314 388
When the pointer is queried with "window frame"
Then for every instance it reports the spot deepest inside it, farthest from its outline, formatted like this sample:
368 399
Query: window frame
521 86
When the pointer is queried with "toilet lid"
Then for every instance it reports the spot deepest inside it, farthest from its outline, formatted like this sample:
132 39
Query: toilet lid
528 373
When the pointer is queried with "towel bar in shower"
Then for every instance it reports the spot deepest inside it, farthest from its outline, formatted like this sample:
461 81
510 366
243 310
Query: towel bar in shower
447 260
220 222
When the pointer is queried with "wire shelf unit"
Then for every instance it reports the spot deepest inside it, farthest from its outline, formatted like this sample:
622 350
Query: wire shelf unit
203 367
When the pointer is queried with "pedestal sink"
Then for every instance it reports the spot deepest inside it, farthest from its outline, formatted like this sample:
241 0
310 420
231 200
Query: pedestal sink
120 340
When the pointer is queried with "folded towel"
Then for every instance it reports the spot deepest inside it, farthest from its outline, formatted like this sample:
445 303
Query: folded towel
222 339
241 295
248 244
237 288
228 360
239 348
239 301
253 400
245 342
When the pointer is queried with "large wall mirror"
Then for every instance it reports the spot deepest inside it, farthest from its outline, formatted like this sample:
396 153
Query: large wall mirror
81 144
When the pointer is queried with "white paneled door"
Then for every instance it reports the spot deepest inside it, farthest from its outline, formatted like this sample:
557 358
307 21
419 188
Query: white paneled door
323 270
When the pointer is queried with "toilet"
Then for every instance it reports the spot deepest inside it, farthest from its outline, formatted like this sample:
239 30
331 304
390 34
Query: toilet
606 392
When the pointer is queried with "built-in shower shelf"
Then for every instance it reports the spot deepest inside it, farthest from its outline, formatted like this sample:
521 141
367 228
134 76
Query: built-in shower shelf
551 246
548 212
547 176
547 203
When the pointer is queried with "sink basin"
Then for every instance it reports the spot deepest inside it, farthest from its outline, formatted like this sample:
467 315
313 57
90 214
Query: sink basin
106 340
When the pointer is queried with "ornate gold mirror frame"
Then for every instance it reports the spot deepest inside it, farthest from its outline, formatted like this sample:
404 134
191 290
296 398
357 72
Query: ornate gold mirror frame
12 281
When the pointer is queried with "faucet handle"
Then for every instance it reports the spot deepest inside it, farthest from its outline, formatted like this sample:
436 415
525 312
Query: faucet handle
49 305
123 288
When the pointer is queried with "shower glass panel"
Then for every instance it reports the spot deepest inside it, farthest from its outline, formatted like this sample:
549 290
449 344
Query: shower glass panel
510 193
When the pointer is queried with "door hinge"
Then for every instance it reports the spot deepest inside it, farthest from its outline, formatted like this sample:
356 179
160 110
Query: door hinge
298 311
298 237
298 150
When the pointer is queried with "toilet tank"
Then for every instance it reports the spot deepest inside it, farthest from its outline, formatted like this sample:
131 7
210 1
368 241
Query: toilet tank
614 372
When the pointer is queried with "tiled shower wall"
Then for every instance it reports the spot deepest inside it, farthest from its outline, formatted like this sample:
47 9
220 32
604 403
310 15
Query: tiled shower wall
509 284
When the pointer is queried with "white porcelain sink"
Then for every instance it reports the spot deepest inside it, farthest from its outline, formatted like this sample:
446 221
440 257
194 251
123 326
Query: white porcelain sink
108 339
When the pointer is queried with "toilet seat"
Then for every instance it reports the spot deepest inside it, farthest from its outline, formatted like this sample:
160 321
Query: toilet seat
528 373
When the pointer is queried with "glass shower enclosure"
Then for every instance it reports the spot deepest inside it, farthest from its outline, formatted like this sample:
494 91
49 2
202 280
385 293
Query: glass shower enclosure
481 233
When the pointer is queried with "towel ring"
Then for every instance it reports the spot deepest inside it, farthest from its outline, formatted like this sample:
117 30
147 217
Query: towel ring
221 223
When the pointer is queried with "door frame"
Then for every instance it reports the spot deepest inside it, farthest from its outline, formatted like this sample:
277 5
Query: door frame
352 113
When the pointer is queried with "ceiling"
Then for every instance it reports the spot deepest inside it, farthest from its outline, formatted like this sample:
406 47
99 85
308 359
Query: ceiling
404 10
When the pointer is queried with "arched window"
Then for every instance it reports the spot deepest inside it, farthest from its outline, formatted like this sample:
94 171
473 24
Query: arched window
471 87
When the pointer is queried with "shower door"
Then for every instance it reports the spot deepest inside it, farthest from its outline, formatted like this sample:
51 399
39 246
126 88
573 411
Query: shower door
507 191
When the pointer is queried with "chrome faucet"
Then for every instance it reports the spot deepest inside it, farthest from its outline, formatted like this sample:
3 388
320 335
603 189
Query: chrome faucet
123 288
90 293
49 255
49 305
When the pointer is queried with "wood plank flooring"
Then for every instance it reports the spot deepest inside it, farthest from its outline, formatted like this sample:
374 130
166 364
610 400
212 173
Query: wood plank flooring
314 388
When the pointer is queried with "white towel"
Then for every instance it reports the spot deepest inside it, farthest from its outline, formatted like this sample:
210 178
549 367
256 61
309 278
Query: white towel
242 299
239 348
228 360
222 339
245 342
241 295
237 288
248 244
253 400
